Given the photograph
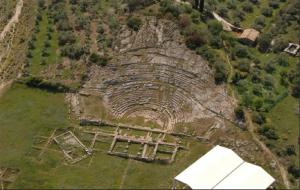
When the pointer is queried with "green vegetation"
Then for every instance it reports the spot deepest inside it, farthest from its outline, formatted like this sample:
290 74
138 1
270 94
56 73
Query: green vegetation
134 23
97 59
26 113
284 120
44 45
6 11
263 79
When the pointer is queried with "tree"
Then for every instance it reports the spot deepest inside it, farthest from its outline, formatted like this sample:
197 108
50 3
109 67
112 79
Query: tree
257 90
136 4
290 150
264 42
196 38
244 65
97 59
81 23
134 23
223 11
66 38
282 60
269 132
215 27
239 14
261 20
247 7
267 11
268 82
241 51
221 72
167 6
274 4
73 52
41 4
258 118
184 20
239 113
270 67
294 171
279 45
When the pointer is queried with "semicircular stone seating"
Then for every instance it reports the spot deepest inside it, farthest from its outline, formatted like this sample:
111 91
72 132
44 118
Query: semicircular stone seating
155 76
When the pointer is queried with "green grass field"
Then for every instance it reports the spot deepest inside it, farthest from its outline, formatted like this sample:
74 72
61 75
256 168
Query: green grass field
286 121
26 112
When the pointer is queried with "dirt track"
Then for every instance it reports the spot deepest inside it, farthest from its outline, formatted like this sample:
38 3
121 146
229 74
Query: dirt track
8 27
4 86
13 20
282 170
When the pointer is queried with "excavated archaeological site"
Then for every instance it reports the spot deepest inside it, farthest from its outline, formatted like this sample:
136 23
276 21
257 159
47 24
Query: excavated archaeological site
153 75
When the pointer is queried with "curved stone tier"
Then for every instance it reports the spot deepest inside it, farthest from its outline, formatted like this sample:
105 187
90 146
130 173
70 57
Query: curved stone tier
155 76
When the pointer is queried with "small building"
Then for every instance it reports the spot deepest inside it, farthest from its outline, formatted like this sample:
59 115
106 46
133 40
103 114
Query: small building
249 36
221 168
292 49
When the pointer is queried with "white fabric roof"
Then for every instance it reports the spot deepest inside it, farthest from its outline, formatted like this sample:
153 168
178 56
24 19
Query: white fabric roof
221 168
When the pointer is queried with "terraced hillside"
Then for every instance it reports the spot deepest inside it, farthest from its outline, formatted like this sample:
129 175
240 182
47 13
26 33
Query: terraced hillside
153 75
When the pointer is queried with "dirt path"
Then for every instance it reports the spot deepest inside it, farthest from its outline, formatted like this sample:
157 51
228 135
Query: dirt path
13 20
125 173
8 27
94 46
5 86
282 170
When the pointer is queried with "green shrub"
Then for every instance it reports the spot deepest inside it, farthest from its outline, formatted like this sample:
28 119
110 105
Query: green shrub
73 52
268 82
223 11
257 90
247 7
258 118
264 42
244 65
168 6
282 60
136 4
294 171
66 38
279 45
221 72
270 67
274 4
241 51
97 59
290 150
267 12
196 38
134 23
269 132
239 113
215 27
184 21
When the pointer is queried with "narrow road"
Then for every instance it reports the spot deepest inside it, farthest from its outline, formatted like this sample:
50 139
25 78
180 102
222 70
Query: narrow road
282 170
13 20
8 27
4 86
125 173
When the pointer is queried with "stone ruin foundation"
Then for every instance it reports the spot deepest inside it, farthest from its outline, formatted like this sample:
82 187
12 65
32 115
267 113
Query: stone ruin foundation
152 75
7 176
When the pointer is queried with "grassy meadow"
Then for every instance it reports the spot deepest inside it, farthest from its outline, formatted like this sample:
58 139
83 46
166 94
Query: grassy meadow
26 113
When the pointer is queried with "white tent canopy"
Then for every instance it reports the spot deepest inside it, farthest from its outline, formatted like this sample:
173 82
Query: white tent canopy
221 168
